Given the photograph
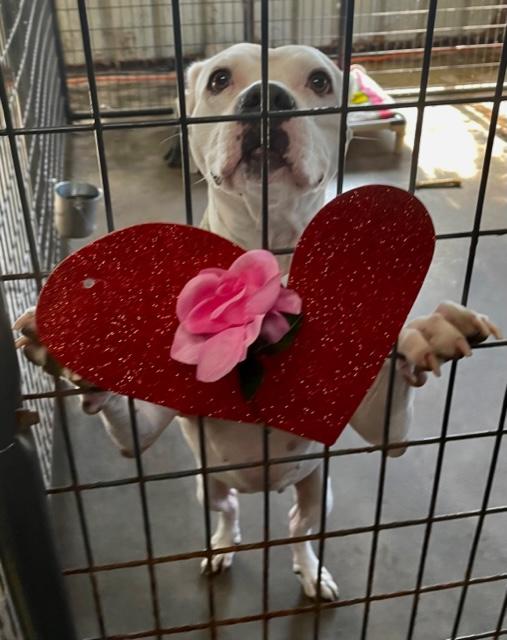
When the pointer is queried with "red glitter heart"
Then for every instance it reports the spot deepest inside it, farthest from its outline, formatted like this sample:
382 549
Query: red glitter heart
108 312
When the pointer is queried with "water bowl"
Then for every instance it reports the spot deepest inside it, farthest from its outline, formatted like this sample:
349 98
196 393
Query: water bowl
76 208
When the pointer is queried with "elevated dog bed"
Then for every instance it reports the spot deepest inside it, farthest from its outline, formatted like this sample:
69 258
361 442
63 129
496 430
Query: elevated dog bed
365 91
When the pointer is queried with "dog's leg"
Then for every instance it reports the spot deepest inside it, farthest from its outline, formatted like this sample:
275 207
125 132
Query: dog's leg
368 419
225 501
114 411
424 345
151 420
303 518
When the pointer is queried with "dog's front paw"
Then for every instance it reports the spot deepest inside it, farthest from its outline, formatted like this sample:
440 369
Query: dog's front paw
476 327
307 575
447 334
32 348
221 561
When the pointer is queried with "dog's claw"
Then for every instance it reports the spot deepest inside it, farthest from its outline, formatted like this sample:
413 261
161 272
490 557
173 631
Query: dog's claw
433 364
485 326
219 562
447 334
21 342
328 588
26 319
36 352
463 346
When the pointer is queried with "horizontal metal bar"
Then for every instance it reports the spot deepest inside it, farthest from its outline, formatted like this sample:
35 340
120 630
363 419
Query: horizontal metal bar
167 122
272 461
280 542
124 113
441 236
8 277
486 634
441 90
30 275
276 542
77 392
283 613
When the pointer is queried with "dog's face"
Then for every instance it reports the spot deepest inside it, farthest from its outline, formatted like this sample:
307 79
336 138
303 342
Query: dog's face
303 150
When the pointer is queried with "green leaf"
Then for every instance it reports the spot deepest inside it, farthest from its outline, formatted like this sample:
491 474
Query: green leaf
295 322
251 374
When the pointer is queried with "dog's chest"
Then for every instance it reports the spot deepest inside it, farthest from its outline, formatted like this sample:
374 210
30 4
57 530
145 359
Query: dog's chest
232 444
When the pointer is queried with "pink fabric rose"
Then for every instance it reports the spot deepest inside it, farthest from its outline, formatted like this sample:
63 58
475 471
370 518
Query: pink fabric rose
222 312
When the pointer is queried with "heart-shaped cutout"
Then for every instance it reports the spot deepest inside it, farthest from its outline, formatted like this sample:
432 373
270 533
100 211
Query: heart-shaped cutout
107 312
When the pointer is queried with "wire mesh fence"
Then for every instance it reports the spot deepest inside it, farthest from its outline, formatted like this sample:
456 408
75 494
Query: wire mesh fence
8 620
133 44
106 65
32 96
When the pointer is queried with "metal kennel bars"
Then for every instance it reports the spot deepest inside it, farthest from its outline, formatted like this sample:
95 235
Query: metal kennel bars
15 135
32 95
134 46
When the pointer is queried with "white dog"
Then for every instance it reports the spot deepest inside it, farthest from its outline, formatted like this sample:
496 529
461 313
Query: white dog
303 159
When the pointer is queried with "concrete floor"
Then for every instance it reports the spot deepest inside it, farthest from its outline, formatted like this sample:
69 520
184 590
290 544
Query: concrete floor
144 189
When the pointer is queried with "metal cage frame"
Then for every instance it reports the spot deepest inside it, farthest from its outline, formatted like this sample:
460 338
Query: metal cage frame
98 126
388 38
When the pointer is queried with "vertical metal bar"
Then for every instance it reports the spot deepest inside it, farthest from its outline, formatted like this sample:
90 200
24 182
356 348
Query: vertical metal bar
20 181
265 121
101 155
83 523
146 518
433 501
105 19
464 299
482 516
322 27
207 526
322 531
342 30
488 151
248 20
295 20
348 21
501 618
203 17
265 245
61 61
180 77
380 493
99 133
425 73
178 52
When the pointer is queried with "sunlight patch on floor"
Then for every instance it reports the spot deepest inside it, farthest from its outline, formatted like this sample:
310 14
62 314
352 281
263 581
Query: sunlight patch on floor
452 143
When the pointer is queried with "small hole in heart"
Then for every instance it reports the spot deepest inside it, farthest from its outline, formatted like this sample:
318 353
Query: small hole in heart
88 283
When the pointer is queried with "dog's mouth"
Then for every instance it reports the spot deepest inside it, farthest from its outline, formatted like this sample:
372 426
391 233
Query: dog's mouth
252 149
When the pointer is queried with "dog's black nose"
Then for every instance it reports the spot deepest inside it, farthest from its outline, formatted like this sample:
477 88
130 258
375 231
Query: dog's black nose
279 99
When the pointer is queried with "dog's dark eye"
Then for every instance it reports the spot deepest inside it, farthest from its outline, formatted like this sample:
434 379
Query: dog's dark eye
319 82
219 80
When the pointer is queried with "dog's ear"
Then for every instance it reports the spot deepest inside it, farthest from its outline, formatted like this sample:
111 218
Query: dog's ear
191 77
